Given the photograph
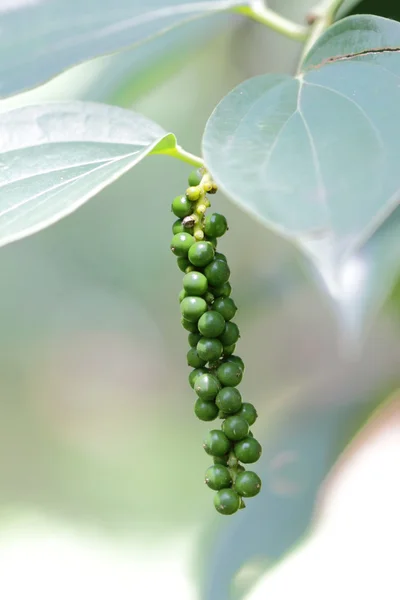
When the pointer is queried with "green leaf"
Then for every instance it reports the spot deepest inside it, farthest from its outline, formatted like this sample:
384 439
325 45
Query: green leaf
129 75
316 157
362 282
368 277
56 34
56 156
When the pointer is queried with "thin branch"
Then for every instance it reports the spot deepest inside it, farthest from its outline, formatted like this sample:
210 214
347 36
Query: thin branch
181 154
321 18
261 13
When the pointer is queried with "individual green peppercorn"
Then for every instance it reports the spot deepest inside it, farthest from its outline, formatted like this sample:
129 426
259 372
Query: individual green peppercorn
212 241
195 177
192 307
228 350
181 207
182 294
247 411
229 400
193 339
226 307
193 375
229 374
247 484
220 256
230 335
235 359
207 386
248 450
221 460
195 283
181 243
227 501
235 428
194 360
183 263
193 193
218 477
216 443
178 227
201 254
209 349
217 272
215 225
205 411
189 325
222 291
211 324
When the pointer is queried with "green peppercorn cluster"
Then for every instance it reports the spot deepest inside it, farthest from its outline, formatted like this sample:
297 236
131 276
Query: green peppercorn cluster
207 310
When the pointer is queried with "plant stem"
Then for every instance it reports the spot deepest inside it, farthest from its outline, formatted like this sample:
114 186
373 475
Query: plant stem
259 12
324 8
188 157
321 17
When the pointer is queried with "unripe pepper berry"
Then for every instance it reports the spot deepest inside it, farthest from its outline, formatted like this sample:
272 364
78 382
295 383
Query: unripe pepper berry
192 307
195 283
230 374
235 428
227 501
226 307
195 177
193 338
229 400
248 450
207 386
193 193
247 484
235 359
222 291
228 350
205 411
181 207
183 263
209 349
211 324
181 244
230 335
216 443
194 374
189 325
248 412
194 360
215 225
201 254
217 272
218 477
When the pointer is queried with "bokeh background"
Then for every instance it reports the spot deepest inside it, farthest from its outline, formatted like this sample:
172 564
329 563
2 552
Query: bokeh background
101 464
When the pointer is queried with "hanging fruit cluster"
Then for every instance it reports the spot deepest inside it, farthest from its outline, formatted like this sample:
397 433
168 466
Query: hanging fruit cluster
207 311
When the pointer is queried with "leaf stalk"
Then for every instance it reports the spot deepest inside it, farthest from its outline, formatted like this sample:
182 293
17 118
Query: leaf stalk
261 13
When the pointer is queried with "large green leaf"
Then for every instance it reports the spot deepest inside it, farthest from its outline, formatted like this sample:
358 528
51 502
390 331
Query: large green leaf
55 156
362 282
315 156
129 75
53 35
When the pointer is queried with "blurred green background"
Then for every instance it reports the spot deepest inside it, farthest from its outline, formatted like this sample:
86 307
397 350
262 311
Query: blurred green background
101 472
